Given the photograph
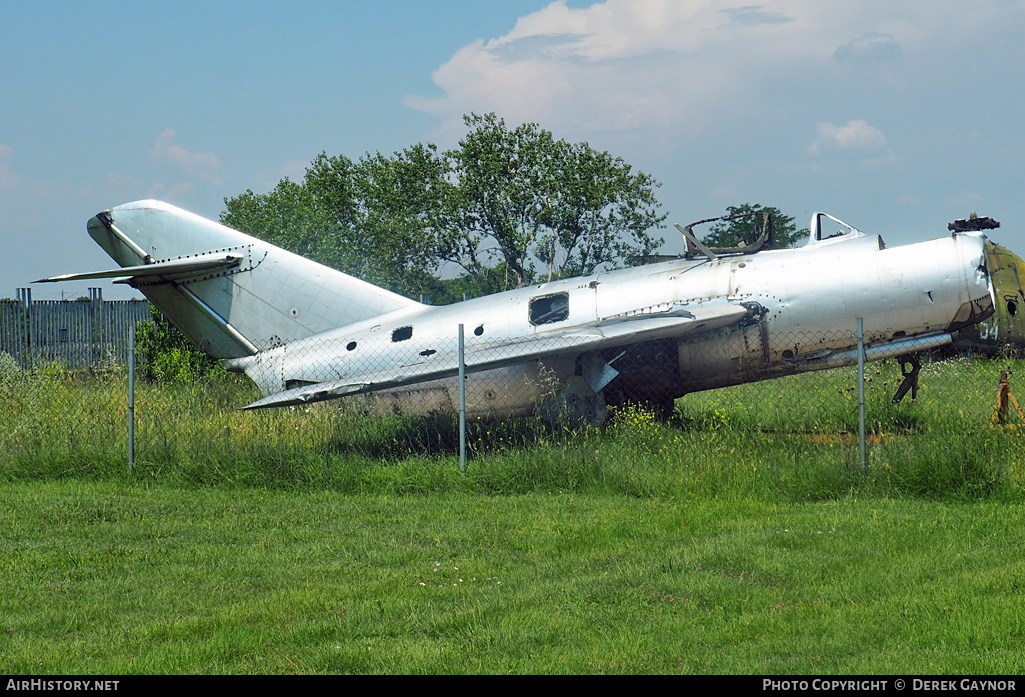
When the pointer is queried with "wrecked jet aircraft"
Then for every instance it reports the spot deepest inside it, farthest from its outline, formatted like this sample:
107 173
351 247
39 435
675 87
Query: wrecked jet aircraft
306 333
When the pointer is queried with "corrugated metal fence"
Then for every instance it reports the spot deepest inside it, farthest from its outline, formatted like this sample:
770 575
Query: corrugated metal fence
75 333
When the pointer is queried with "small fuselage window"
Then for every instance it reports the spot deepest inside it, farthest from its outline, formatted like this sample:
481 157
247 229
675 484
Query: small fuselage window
546 309
402 333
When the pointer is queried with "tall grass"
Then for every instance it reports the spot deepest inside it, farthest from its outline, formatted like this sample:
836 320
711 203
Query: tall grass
792 439
739 537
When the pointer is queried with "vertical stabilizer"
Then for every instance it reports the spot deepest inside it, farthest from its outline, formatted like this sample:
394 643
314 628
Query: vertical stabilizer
266 298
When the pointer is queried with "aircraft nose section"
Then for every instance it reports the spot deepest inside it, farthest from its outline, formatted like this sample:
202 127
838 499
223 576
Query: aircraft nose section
1006 271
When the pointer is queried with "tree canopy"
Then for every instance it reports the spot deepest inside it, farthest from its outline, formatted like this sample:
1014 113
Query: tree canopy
506 206
371 219
741 230
525 198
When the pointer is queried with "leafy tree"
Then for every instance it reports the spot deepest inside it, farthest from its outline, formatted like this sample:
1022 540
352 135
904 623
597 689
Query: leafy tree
290 218
523 196
600 213
404 210
502 179
730 233
501 203
371 219
166 354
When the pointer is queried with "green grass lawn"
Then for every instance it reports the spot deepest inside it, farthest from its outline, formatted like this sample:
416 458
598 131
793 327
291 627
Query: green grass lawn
742 537
148 579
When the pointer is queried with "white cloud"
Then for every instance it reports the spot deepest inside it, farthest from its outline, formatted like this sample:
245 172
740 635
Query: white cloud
755 14
729 192
963 199
855 135
636 64
618 65
201 165
294 170
172 193
870 47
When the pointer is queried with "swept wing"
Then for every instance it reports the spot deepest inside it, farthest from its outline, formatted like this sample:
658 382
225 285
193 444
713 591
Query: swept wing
610 333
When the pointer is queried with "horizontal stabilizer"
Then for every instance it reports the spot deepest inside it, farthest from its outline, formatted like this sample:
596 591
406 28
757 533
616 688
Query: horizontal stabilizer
176 270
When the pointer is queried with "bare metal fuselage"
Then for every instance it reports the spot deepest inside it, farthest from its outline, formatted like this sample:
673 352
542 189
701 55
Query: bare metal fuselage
910 298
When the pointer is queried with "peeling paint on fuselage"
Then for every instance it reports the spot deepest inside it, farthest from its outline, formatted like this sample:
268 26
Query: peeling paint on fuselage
1007 325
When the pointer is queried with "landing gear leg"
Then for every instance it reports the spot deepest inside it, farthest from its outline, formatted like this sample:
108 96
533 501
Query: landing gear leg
909 368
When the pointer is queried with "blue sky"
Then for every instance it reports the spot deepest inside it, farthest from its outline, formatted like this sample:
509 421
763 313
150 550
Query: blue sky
896 117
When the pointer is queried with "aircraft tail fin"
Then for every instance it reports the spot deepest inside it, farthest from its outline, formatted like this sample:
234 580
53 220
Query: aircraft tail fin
233 295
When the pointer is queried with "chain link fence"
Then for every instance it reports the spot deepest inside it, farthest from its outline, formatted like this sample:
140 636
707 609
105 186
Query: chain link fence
799 392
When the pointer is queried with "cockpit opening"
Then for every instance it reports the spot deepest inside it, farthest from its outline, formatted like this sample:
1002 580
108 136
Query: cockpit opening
546 309
826 227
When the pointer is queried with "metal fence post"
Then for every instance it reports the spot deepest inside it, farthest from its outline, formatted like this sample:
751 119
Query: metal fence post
861 394
131 399
95 326
25 328
462 404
